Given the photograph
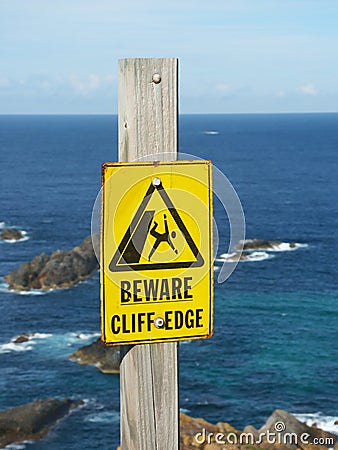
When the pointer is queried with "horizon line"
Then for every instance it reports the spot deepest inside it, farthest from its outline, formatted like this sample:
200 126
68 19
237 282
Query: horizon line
180 114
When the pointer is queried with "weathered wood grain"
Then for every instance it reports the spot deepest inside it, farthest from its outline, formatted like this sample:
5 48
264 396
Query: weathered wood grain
148 112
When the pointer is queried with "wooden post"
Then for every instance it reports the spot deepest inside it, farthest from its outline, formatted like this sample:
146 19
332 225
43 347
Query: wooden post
148 105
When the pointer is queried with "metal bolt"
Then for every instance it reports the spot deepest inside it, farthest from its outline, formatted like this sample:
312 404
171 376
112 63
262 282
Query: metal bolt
156 78
159 322
156 182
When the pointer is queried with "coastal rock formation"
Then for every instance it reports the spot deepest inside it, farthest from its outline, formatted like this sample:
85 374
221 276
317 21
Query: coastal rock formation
61 269
260 244
105 358
198 433
32 420
11 234
286 426
282 431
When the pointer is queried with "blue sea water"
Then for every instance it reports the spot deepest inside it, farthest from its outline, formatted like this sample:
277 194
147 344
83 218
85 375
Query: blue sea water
275 337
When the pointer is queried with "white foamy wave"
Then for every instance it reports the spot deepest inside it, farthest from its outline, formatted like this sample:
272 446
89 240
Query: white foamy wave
104 417
74 339
40 336
12 347
25 346
319 420
31 292
4 287
286 247
18 445
73 336
86 336
212 132
244 257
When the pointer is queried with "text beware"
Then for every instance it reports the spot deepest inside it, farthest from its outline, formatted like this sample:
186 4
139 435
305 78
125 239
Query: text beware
156 289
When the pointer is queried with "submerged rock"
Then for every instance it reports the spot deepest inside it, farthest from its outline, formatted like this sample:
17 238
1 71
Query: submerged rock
62 269
33 420
11 234
105 358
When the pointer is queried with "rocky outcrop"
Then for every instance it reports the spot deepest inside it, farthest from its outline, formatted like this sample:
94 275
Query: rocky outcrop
11 234
282 431
62 269
260 244
32 421
24 337
287 427
105 358
198 433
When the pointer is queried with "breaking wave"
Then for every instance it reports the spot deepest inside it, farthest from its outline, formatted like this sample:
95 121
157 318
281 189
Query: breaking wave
244 257
258 250
319 420
4 287
28 341
286 247
14 345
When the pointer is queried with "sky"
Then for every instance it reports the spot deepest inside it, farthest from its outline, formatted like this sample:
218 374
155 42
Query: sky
235 56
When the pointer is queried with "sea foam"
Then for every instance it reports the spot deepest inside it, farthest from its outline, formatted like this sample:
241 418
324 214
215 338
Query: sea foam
110 417
319 420
25 346
247 257
286 247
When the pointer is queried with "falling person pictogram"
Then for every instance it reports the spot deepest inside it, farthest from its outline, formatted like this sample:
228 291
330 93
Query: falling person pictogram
129 253
162 237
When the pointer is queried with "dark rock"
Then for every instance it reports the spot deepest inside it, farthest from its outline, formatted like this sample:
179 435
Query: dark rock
282 423
32 420
105 358
10 234
62 269
257 244
21 338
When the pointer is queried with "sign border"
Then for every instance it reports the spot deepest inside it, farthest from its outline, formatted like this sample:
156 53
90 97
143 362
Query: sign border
106 165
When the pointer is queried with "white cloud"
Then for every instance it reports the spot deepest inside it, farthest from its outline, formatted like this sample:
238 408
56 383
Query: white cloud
309 89
87 85
90 84
225 88
281 94
4 82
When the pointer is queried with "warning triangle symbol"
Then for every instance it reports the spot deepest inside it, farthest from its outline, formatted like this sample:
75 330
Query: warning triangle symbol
128 255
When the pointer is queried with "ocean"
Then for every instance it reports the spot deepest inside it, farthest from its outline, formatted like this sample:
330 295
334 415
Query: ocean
275 337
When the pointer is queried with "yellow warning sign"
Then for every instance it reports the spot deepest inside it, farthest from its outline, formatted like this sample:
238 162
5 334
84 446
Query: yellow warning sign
156 252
